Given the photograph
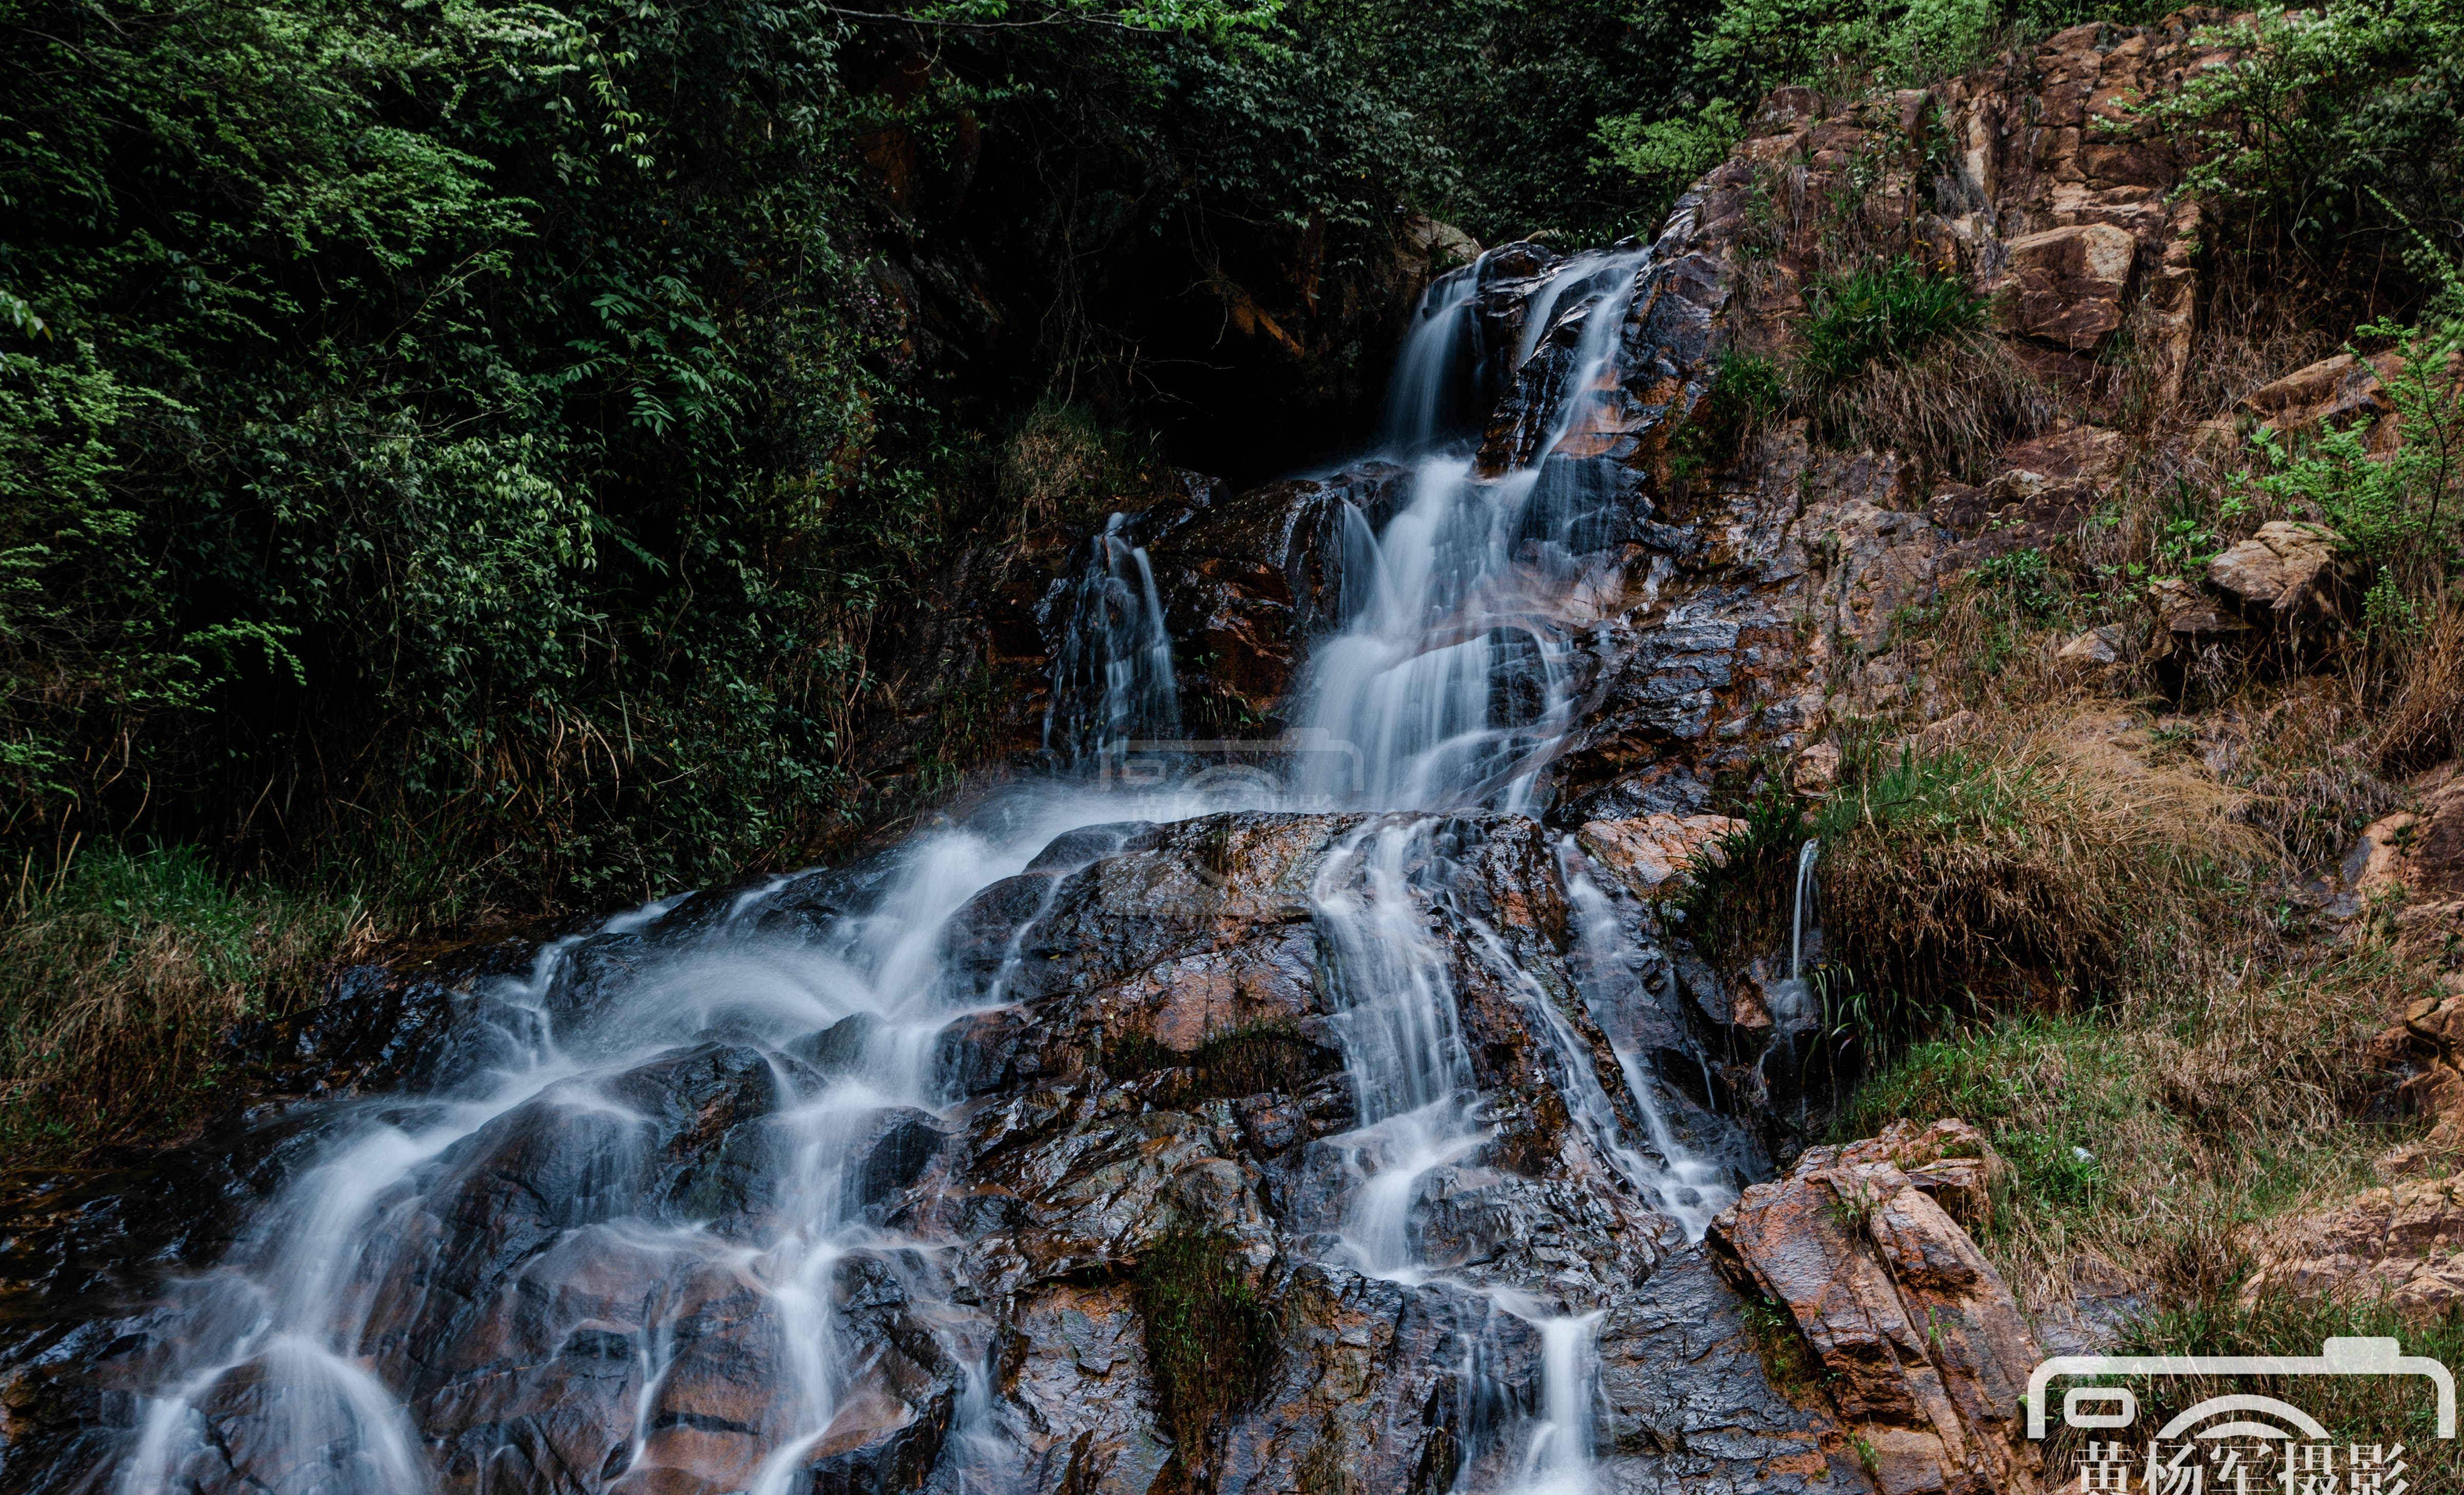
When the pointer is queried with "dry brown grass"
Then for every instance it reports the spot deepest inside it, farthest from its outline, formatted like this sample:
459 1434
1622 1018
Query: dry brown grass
2222 1092
2423 721
2042 857
2224 1073
2250 336
119 978
1950 408
1063 467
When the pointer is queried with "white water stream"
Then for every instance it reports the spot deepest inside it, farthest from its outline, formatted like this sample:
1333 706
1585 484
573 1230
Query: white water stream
1450 678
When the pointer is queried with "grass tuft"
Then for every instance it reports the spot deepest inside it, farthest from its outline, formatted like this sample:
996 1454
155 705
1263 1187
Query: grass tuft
2423 724
1212 1340
118 979
2040 860
1880 313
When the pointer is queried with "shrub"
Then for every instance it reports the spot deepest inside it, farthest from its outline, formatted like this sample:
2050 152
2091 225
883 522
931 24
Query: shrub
2330 136
1880 313
2023 582
1667 155
1739 902
2399 513
1950 408
1746 390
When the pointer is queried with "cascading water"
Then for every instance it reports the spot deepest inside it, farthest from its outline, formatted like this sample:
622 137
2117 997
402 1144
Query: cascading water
706 1253
1113 676
1472 569
1792 998
1426 398
1465 592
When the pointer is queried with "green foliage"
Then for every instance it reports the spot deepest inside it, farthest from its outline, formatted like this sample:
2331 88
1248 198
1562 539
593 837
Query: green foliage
1985 1075
2023 582
1664 156
2333 129
1755 45
2398 512
1743 49
477 436
1880 313
417 425
118 978
1516 93
1947 794
1212 1340
1746 389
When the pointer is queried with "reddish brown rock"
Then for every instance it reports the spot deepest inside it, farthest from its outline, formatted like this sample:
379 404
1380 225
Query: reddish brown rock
2336 391
2093 650
1648 850
1924 1346
2067 285
2402 1245
2186 615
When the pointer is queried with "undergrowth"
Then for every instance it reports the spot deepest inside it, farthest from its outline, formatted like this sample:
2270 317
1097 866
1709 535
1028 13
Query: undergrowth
118 977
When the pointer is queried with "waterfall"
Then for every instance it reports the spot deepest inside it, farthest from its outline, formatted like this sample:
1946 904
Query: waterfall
1792 1000
312 1295
1559 1460
1449 680
1113 677
1463 591
1427 398
1805 856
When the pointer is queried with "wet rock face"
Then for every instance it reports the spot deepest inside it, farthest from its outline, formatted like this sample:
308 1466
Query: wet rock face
605 1283
581 1293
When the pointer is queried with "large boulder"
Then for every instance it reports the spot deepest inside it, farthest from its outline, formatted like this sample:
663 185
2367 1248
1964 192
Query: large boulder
2067 285
2288 576
1921 1342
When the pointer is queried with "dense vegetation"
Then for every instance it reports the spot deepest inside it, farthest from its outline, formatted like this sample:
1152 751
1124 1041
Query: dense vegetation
469 441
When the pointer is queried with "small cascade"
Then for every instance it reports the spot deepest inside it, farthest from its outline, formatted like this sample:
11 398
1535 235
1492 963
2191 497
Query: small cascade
1451 675
1558 1461
1429 399
318 1304
1113 677
1805 857
1792 1000
1395 1014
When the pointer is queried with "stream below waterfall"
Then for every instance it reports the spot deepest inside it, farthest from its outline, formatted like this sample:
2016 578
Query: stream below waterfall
693 1128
